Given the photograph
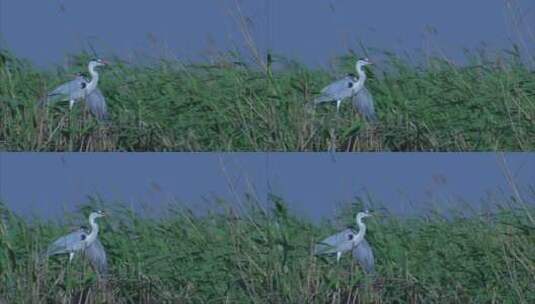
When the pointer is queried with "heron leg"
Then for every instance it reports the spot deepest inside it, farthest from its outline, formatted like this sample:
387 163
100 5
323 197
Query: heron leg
338 256
71 104
338 103
71 256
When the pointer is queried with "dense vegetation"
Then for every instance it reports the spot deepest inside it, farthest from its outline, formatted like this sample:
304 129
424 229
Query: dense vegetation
485 105
266 257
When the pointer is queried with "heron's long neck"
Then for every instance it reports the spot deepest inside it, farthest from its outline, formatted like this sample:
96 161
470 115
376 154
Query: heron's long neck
362 79
94 231
362 231
94 80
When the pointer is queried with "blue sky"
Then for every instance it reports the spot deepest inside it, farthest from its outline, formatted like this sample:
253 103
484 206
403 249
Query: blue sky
310 31
313 184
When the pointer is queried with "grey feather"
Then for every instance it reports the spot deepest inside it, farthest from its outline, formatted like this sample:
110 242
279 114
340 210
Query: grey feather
338 90
339 242
363 254
72 90
95 101
97 105
363 103
71 242
96 255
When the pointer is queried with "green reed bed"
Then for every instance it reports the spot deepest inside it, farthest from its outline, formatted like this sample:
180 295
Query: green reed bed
266 257
484 105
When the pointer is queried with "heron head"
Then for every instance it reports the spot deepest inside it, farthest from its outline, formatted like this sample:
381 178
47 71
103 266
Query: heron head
364 61
363 214
97 214
97 62
361 63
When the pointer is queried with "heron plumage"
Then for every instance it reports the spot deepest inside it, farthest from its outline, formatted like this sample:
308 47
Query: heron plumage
363 255
338 90
339 242
71 242
364 104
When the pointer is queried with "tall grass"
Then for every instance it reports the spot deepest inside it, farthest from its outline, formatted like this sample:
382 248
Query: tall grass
266 257
486 105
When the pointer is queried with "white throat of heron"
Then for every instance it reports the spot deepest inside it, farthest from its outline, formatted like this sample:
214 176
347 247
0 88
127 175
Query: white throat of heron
362 76
94 78
91 237
362 229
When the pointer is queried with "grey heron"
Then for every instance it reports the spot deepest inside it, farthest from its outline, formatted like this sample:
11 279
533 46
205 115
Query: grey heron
85 242
350 86
348 240
78 88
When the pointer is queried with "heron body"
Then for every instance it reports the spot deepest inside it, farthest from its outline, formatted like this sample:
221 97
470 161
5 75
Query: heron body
364 104
77 240
78 88
344 88
70 243
337 244
350 240
338 91
96 255
363 254
71 91
97 105
96 102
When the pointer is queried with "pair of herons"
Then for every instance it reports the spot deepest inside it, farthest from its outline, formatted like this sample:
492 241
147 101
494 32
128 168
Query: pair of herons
82 89
350 86
88 244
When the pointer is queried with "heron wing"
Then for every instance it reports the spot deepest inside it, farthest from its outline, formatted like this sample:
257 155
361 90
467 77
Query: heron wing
69 90
363 254
339 242
68 243
96 255
337 90
363 103
97 104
